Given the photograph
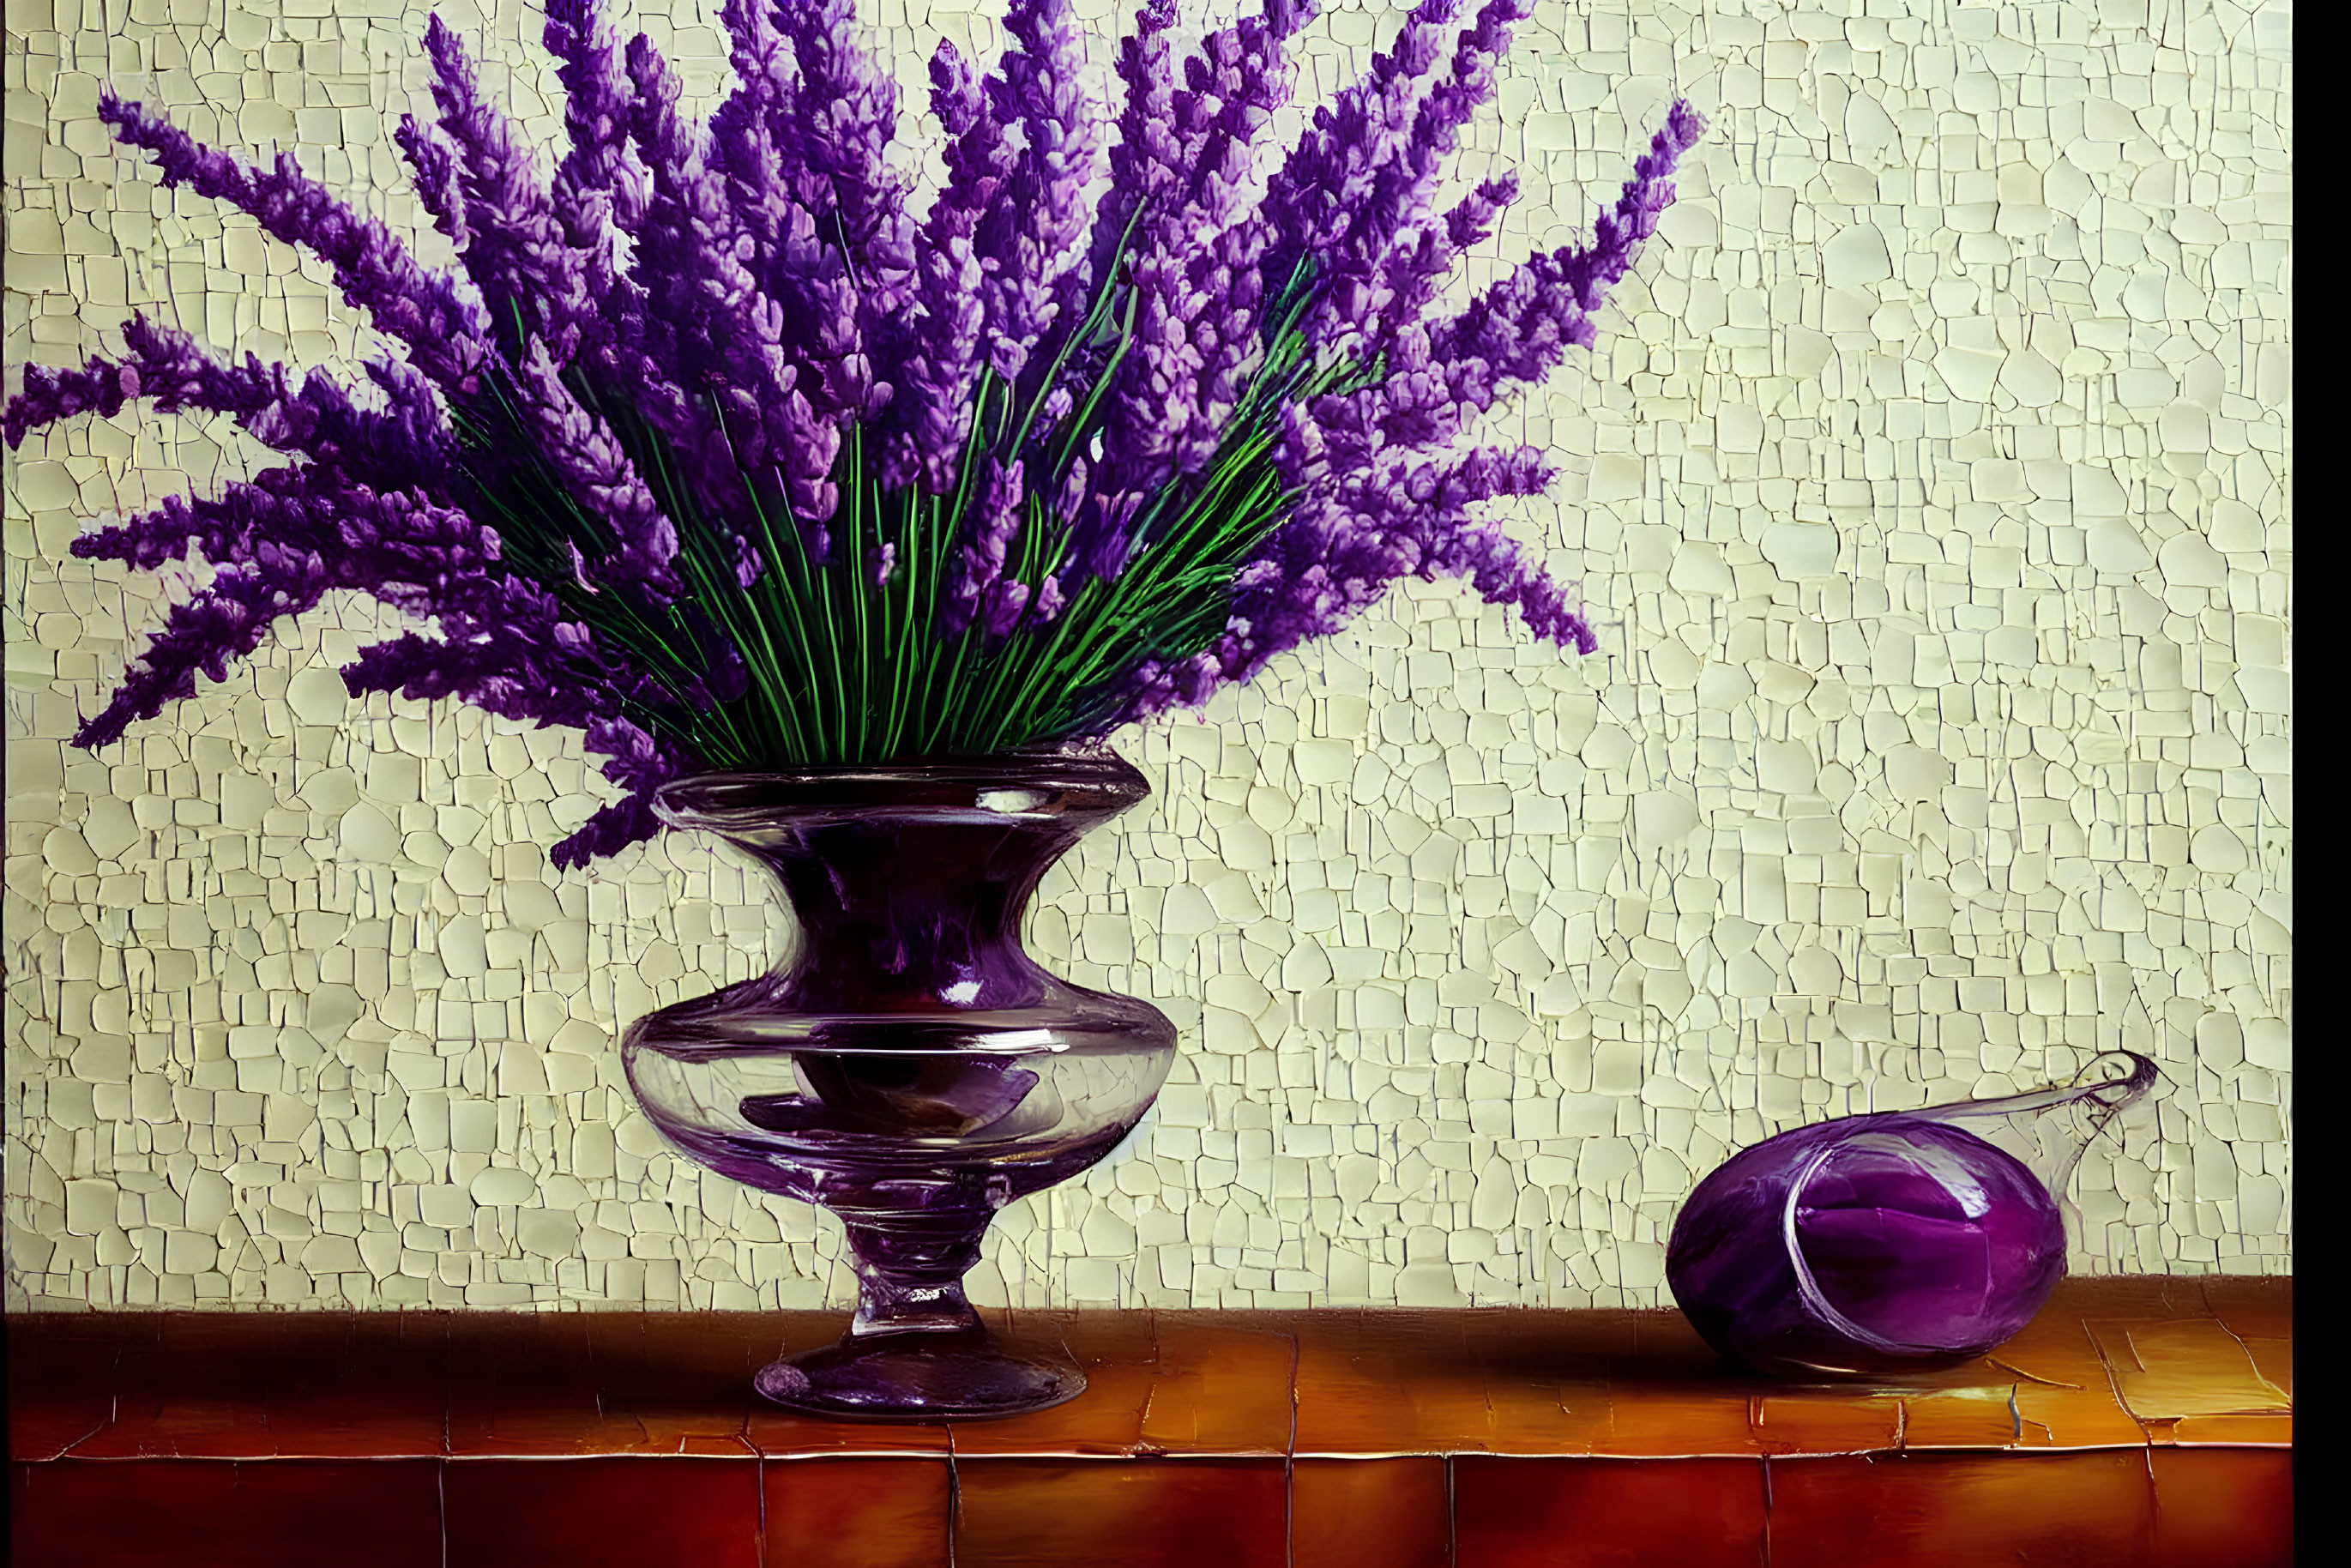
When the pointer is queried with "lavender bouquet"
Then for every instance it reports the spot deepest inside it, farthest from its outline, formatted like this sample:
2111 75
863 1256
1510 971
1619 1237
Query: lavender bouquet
719 451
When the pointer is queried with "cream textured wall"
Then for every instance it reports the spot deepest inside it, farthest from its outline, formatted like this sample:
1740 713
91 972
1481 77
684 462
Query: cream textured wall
1932 477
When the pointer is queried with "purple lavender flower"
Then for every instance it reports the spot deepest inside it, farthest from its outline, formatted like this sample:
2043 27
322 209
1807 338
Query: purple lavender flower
956 95
980 590
1146 167
222 528
1418 262
850 107
1195 275
1034 229
101 387
1361 273
433 170
505 648
1339 552
1047 604
748 562
224 622
935 353
582 449
1336 558
1228 274
407 549
315 420
1314 199
787 209
513 249
602 188
443 333
600 184
1523 326
726 335
1058 441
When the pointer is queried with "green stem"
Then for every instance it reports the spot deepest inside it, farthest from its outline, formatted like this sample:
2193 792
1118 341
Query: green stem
854 491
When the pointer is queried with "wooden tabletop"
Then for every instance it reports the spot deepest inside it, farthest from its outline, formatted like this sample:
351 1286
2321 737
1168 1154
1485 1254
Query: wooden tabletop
2109 1363
1357 1437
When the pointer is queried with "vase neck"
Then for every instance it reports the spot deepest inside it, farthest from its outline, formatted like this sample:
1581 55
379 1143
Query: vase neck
899 913
910 884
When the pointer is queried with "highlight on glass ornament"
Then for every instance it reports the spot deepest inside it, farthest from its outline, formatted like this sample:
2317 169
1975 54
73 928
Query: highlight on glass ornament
1894 1241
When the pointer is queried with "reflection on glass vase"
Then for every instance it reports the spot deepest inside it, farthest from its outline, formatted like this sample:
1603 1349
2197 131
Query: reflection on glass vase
1901 1240
907 1066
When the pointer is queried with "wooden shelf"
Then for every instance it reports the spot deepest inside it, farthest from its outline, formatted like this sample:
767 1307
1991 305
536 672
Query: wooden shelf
2136 1420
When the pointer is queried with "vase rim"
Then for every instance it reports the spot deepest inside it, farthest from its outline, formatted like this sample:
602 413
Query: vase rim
1033 785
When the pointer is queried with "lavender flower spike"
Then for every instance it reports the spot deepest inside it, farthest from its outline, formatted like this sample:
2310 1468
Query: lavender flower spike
443 333
1034 229
1319 193
600 477
1368 290
791 214
1645 197
850 108
980 591
1195 278
729 334
318 420
1523 326
222 528
513 249
432 168
224 621
1147 166
101 387
936 352
600 187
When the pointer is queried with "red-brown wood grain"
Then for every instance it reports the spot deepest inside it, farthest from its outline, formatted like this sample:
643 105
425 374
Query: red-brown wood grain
2133 1422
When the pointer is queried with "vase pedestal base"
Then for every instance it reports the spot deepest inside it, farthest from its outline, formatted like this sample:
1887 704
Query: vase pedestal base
959 1377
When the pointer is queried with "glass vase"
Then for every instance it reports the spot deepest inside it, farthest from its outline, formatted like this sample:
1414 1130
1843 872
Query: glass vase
906 1066
1896 1241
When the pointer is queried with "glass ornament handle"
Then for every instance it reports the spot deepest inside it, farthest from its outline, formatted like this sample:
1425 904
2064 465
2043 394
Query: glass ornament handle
2049 1130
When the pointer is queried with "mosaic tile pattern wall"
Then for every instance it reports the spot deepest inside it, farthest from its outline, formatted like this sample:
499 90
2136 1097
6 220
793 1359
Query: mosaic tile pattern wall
1931 477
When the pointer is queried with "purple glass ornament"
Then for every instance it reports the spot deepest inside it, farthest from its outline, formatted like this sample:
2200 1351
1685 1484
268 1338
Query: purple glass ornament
1897 1241
906 1066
